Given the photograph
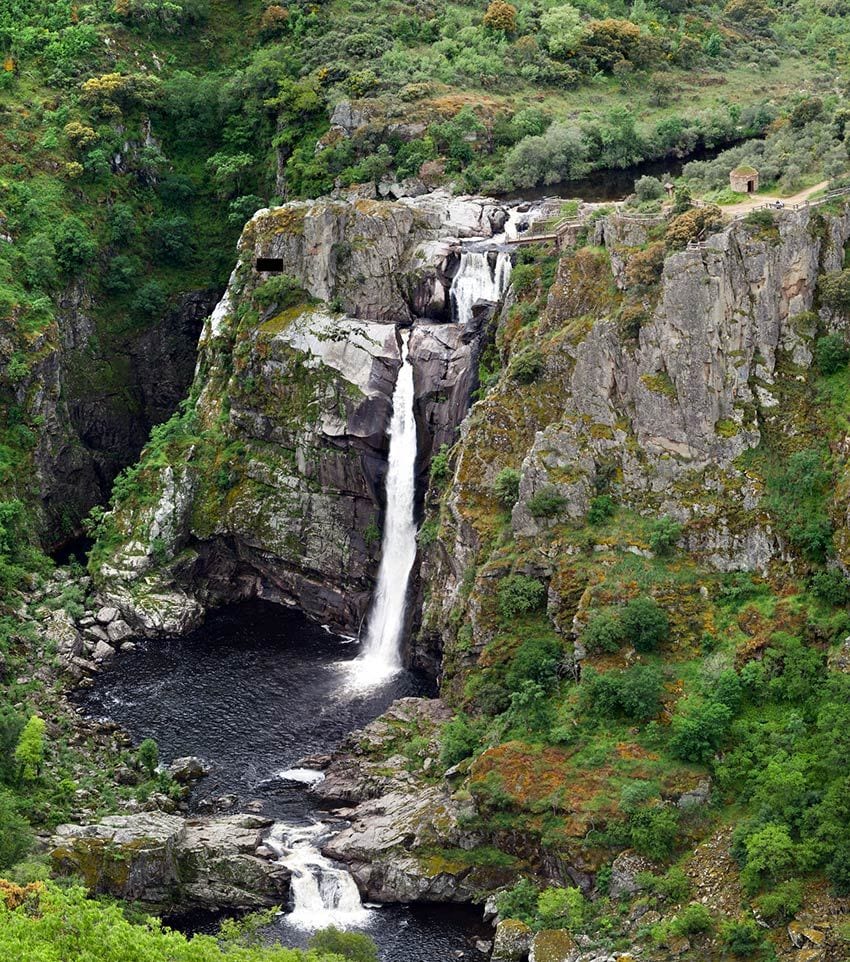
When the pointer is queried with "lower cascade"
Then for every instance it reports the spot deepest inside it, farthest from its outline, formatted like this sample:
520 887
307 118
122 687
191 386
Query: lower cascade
322 893
382 649
478 280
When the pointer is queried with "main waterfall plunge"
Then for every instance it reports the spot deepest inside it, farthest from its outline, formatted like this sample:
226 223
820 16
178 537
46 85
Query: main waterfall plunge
382 648
479 278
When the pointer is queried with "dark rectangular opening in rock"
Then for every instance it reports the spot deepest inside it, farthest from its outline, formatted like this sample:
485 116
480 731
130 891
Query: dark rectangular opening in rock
270 265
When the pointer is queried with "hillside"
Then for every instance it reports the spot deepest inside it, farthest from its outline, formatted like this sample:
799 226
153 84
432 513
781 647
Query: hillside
630 588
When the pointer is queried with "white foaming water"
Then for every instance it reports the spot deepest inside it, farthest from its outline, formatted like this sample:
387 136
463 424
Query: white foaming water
306 776
477 281
322 893
381 655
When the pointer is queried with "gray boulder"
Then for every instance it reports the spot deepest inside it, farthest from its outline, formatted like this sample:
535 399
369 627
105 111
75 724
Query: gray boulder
172 863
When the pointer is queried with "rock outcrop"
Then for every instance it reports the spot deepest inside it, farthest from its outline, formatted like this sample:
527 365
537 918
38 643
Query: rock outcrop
405 842
660 416
174 864
271 485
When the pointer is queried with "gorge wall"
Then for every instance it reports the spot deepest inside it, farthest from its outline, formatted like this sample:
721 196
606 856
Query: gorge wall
270 484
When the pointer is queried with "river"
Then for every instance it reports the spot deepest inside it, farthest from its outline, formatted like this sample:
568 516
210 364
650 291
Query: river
252 691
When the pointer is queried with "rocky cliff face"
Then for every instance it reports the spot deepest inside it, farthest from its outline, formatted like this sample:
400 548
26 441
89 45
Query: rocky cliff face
271 484
662 422
97 397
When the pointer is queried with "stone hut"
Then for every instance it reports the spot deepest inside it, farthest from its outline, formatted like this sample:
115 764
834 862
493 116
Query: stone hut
744 180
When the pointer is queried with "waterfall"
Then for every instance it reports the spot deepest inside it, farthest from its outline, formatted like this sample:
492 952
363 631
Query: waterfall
476 280
322 893
382 649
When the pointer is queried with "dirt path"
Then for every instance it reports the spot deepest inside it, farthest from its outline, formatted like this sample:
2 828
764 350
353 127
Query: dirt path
758 200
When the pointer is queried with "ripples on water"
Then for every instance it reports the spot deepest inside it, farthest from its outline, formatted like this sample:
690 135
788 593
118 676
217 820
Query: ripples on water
253 691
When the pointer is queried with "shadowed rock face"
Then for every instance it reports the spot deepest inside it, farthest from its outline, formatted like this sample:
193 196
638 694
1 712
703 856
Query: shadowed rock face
98 410
281 494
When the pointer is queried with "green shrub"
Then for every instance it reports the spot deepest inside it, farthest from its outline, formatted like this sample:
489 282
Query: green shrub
148 756
353 946
603 633
632 692
673 886
834 290
280 291
692 920
506 487
649 188
15 835
546 503
783 903
762 219
831 354
460 738
526 366
663 534
743 938
440 468
600 510
29 752
653 831
518 902
537 659
519 595
831 586
645 624
561 908
698 728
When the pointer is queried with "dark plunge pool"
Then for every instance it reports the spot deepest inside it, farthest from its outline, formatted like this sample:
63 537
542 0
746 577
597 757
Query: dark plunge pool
253 691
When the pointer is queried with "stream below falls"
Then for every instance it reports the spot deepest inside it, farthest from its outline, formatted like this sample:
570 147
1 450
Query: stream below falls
252 691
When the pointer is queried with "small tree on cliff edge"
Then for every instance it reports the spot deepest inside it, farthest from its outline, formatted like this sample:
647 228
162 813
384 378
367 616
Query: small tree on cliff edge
29 752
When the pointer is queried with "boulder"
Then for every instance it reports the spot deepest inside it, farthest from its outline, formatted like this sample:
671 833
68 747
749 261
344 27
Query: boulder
512 942
107 614
624 873
171 863
103 651
118 630
553 945
189 768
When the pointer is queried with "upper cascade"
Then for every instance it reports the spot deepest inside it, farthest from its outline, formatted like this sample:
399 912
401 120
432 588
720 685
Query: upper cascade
480 277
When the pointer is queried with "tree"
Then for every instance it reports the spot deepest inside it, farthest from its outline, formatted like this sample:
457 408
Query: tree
561 908
558 154
562 29
831 354
29 753
603 633
698 728
501 16
834 290
645 624
649 188
770 852
459 739
663 535
274 21
74 243
148 756
15 834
